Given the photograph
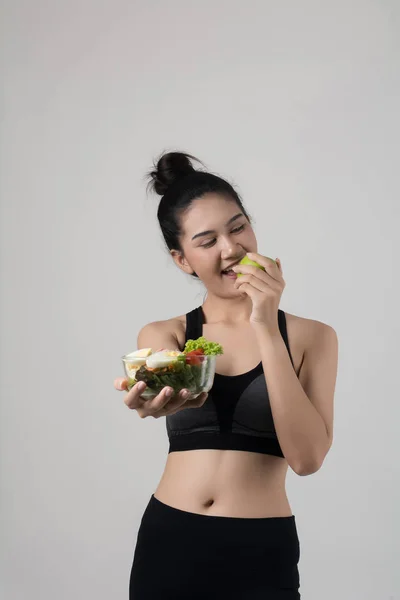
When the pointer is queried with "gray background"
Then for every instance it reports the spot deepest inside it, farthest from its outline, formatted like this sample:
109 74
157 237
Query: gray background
297 103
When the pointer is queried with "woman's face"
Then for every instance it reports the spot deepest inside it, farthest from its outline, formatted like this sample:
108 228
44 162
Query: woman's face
215 235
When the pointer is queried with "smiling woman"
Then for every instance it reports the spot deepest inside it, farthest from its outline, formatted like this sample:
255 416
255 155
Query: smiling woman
220 512
181 185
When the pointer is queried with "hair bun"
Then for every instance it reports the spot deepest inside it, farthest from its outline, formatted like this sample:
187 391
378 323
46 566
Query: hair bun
170 167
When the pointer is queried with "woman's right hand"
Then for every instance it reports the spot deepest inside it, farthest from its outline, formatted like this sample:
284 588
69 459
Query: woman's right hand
166 403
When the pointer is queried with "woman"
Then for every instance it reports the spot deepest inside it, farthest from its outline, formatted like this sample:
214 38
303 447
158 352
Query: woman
219 524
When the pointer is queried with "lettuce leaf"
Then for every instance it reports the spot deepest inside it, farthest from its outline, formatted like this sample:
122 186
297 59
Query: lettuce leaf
182 376
209 348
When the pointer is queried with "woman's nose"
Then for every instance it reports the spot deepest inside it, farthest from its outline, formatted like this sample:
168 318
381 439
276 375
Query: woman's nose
230 249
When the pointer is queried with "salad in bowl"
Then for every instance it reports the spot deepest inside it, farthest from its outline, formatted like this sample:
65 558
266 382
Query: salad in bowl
192 369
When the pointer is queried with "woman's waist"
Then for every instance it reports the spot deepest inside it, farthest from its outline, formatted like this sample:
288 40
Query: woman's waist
226 483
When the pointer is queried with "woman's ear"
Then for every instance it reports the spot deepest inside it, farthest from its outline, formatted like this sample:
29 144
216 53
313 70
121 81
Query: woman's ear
181 261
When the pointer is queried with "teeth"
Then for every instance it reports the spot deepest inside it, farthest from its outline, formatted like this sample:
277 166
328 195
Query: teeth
229 270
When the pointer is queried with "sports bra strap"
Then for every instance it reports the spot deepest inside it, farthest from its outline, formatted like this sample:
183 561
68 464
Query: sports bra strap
283 330
194 324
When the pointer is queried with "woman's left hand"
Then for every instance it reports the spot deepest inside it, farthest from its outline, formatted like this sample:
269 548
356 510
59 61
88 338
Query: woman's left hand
265 289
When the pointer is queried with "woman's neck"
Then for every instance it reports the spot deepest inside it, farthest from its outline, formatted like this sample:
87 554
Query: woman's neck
228 310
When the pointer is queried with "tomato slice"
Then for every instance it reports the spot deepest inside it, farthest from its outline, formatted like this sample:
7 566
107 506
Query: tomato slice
192 357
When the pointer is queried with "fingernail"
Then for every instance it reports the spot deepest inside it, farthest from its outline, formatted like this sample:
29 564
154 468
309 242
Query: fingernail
169 392
141 386
186 394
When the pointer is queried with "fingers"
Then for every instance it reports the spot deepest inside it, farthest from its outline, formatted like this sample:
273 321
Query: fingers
153 406
178 401
132 398
121 383
171 409
195 402
250 273
265 261
257 283
162 404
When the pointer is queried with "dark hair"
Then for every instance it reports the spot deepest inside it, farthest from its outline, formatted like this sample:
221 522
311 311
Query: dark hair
179 183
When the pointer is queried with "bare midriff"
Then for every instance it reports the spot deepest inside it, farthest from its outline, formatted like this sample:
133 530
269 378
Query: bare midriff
230 483
227 483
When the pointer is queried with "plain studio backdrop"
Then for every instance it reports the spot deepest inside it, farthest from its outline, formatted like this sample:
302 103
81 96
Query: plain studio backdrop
297 104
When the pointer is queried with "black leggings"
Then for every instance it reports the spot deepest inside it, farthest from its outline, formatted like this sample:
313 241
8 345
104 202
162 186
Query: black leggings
181 555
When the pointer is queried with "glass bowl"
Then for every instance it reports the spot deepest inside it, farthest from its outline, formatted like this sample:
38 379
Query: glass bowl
197 376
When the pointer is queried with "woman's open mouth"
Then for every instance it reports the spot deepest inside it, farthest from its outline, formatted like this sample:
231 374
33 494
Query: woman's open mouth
229 273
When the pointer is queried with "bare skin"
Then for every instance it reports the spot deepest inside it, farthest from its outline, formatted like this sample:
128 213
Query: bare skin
214 236
221 482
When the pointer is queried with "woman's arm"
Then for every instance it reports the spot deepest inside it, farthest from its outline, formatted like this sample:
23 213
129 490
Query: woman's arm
302 407
158 334
155 335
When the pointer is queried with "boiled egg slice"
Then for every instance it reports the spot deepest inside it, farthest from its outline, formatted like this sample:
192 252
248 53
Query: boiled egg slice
131 371
161 359
138 358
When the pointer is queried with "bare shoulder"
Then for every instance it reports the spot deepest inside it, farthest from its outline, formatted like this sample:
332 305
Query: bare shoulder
309 331
168 333
317 344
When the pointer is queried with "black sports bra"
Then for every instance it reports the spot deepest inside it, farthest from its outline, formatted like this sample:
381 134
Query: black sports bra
237 413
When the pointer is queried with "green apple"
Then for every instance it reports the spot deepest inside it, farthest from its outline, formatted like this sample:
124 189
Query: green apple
247 261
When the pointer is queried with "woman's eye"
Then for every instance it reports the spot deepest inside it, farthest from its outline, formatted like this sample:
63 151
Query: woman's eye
209 244
212 242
